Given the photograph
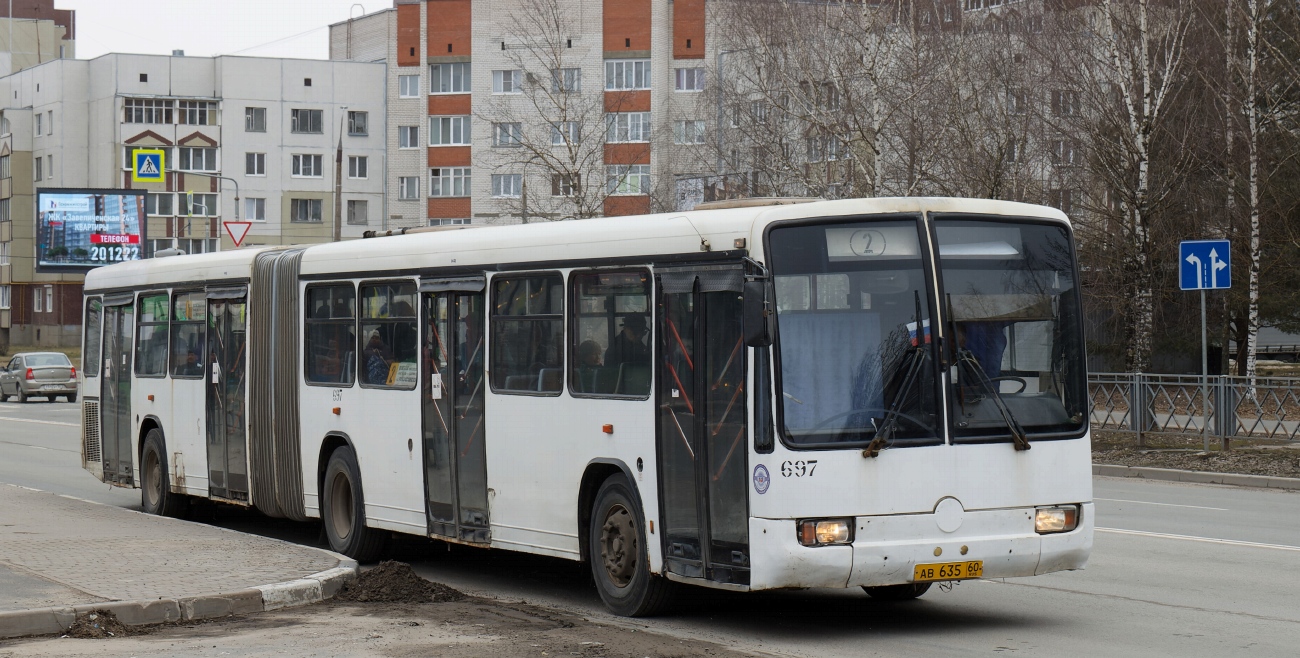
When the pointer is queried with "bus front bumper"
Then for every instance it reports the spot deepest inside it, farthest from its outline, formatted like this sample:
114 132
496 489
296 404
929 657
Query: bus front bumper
886 549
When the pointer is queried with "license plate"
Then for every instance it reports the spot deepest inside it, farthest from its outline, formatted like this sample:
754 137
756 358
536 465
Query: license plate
52 387
925 573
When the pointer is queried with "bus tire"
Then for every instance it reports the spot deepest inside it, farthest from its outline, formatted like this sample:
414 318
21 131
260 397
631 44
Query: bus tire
156 495
904 592
619 559
343 508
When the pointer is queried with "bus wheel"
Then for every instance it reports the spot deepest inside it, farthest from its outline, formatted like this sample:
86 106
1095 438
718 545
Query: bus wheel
155 492
619 562
905 592
343 509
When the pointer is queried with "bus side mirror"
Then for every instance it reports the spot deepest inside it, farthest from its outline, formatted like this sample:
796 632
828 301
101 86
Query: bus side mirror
756 320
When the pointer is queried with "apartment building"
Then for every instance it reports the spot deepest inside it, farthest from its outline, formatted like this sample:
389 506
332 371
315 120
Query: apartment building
299 142
34 32
502 111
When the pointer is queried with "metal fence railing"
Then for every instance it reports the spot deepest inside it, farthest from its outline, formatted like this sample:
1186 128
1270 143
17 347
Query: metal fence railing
1232 406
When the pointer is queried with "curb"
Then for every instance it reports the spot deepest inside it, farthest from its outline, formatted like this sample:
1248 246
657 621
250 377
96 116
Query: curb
1198 477
312 589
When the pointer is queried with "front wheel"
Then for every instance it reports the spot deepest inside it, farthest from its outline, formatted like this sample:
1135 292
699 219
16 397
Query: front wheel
619 561
156 495
343 509
905 592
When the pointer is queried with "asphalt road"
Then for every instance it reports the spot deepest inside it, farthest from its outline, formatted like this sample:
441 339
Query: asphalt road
1190 570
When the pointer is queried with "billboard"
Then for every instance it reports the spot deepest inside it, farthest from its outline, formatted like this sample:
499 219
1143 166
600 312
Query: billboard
77 230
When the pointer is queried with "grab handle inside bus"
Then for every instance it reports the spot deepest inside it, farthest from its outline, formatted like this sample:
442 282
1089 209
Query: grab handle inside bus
757 333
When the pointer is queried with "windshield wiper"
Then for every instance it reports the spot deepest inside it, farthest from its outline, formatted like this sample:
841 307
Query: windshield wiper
966 359
885 433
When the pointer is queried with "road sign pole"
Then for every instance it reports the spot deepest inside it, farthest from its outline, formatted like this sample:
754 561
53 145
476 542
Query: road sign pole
1205 377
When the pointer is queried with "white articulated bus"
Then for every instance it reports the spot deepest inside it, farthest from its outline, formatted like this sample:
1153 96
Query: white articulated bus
882 393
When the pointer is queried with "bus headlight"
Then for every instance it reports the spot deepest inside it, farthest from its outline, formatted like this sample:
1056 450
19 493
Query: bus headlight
819 532
1062 518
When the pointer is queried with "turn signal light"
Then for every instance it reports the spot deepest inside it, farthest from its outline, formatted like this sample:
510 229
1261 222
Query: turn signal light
30 375
1063 518
820 532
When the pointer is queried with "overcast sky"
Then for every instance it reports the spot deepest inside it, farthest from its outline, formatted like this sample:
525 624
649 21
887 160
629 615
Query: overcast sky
262 28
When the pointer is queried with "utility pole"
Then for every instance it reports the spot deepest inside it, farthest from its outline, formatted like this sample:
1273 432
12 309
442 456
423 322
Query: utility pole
338 179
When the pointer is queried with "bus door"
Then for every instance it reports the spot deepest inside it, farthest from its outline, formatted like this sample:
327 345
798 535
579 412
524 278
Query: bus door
452 393
115 391
226 408
702 423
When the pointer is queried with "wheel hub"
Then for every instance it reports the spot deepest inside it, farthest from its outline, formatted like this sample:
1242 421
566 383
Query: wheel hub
618 545
341 506
153 478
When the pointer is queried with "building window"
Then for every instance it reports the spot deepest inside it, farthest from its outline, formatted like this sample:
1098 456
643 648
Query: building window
197 245
628 179
199 205
5 172
1015 151
4 253
527 354
408 137
39 168
147 110
255 209
408 187
507 134
690 80
49 299
49 121
449 78
390 335
1062 199
254 164
357 166
507 186
1065 102
358 212
197 113
564 185
445 131
458 221
566 81
4 297
196 159
627 74
161 204
408 86
307 121
36 300
4 211
1067 153
39 118
330 341
307 166
449 181
1017 102
627 127
255 119
507 82
565 132
688 132
358 123
305 210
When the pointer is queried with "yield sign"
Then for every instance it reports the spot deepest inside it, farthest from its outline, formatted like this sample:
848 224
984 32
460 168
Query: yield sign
237 231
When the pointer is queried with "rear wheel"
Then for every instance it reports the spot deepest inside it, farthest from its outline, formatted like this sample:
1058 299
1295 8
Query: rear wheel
72 398
905 592
22 395
619 561
156 495
343 509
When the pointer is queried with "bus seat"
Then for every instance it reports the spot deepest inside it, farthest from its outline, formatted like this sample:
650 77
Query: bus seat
349 367
606 380
550 379
633 380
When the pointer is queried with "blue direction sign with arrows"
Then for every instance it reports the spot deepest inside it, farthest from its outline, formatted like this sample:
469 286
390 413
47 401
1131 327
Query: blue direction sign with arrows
1204 265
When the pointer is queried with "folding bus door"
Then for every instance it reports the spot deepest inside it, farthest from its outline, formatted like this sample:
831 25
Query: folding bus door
452 391
226 392
702 424
115 388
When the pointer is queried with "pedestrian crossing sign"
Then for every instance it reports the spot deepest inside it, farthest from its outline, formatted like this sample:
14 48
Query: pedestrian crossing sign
148 165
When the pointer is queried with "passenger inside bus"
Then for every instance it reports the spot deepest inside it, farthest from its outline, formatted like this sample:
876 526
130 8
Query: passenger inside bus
377 359
629 346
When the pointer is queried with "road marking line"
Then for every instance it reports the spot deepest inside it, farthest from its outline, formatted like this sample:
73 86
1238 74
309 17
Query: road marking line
1147 502
42 422
1207 540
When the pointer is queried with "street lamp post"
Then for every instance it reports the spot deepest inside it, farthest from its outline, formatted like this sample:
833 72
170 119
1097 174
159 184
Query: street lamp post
338 178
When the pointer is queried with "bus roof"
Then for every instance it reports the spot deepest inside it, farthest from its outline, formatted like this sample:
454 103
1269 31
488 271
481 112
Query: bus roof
585 240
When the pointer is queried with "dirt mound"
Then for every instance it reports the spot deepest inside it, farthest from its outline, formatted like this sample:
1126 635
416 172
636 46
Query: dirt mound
396 582
97 625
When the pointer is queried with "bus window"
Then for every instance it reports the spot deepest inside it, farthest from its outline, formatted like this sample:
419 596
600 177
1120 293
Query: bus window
189 317
528 333
331 340
611 338
94 322
151 339
390 345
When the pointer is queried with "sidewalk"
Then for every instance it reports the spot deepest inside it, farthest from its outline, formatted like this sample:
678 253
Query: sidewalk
61 556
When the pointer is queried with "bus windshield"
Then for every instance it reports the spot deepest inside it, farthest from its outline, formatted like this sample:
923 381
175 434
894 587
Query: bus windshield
853 329
1011 303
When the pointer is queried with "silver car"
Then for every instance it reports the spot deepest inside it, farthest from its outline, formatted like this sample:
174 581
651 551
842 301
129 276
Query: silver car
38 373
